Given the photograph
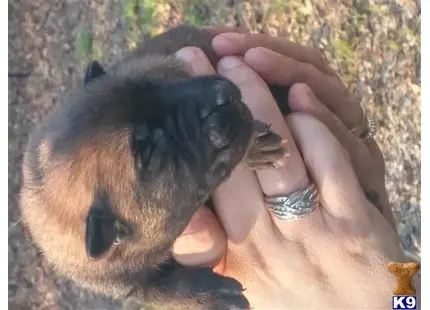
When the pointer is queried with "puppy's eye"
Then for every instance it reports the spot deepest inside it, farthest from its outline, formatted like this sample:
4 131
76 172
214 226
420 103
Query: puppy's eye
142 145
123 232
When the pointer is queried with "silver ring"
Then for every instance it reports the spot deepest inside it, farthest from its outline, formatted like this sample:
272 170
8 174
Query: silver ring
295 205
370 129
366 130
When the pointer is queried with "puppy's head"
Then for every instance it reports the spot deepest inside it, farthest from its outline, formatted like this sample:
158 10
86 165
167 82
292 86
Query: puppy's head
123 163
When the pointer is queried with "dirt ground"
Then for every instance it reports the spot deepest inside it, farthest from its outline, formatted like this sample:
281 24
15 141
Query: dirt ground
374 45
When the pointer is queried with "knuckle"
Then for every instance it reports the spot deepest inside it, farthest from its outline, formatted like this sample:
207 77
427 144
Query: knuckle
305 123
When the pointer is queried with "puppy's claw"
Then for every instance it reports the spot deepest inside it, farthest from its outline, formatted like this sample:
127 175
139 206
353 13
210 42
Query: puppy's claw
267 150
261 128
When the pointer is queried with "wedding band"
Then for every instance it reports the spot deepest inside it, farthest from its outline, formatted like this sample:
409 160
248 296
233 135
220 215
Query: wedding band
367 128
295 205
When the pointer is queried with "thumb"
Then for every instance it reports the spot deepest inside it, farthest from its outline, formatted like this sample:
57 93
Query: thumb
203 242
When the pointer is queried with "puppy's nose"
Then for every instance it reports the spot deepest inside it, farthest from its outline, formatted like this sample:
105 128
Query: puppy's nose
226 92
217 91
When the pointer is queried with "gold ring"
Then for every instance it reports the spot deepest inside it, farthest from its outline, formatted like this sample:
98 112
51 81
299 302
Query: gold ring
366 130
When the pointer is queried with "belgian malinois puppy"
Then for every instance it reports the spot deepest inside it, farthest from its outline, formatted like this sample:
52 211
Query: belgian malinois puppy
114 174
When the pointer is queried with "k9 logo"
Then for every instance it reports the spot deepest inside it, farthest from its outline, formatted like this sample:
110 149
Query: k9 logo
404 302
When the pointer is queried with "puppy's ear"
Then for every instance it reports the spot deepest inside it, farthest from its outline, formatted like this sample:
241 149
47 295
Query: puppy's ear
100 231
94 71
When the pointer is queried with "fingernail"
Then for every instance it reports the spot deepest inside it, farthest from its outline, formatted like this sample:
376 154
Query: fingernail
220 41
199 239
304 89
227 38
302 98
187 54
228 63
228 43
196 225
260 52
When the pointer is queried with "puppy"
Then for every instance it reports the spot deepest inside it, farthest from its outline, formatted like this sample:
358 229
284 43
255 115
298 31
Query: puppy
114 174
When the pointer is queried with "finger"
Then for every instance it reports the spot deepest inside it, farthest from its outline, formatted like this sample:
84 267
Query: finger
365 161
281 70
239 43
241 179
243 217
196 59
330 168
301 98
255 93
203 243
383 198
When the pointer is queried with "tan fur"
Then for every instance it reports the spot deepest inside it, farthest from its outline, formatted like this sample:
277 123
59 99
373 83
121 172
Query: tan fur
58 186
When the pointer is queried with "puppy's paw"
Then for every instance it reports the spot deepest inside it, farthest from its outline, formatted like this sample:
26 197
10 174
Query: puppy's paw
267 149
202 289
221 292
228 302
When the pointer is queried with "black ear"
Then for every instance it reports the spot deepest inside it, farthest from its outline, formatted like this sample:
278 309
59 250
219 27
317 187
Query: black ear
94 71
101 230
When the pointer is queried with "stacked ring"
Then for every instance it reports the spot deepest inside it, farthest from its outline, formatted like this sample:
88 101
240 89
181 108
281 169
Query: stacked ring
366 130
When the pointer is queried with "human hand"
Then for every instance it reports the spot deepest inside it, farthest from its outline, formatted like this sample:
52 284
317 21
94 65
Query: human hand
338 254
281 62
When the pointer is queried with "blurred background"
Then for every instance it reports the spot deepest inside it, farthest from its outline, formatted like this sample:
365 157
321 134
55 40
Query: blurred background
373 44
